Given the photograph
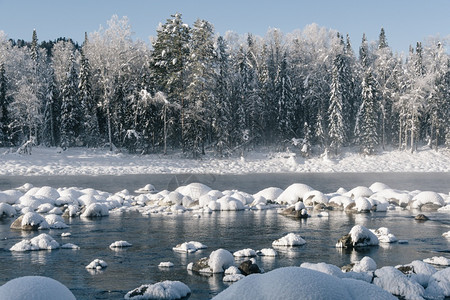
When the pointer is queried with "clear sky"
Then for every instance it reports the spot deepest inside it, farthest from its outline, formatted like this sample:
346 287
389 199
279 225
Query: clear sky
405 21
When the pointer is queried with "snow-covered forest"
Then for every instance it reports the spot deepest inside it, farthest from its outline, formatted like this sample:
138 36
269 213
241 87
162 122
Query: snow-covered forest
196 91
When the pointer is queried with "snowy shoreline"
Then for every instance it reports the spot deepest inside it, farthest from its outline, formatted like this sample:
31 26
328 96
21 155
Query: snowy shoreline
82 161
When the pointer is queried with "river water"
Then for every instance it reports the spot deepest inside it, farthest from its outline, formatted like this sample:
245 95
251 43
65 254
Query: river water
154 236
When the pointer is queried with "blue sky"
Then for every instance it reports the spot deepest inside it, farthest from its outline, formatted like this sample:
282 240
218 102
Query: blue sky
405 21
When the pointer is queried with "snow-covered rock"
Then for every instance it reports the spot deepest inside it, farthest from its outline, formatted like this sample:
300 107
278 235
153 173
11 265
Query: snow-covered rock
96 210
120 244
165 290
445 234
166 264
384 235
189 247
245 253
362 204
396 283
293 193
432 199
194 190
267 252
359 191
6 210
418 271
291 283
366 264
291 239
36 288
359 236
70 246
270 193
439 285
312 198
148 188
233 277
378 186
40 242
324 268
438 260
218 261
10 196
30 221
97 264
55 221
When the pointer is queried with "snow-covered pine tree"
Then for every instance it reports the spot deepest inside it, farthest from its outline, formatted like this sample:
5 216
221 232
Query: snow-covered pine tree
336 125
70 108
4 104
286 101
34 47
368 114
200 91
222 123
50 131
90 134
364 53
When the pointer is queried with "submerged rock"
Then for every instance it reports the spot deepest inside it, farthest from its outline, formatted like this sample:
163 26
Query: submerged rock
421 217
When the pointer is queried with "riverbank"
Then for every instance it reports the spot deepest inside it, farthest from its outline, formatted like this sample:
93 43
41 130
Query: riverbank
82 161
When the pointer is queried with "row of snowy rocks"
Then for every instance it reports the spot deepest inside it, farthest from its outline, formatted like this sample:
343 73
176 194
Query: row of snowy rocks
359 280
199 198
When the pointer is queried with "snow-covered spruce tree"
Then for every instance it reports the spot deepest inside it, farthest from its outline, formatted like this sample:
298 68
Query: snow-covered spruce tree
222 118
200 91
4 103
368 137
286 101
364 53
51 126
70 108
90 130
168 67
336 125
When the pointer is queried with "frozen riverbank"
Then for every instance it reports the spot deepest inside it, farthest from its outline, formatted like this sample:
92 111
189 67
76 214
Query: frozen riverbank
82 161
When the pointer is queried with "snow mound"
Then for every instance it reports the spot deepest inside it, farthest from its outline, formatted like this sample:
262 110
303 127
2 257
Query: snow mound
294 193
366 264
359 191
10 196
324 268
295 282
233 277
359 236
378 186
314 197
165 264
270 193
56 222
396 283
97 264
291 239
418 271
40 242
36 288
96 210
120 244
70 246
164 290
427 198
6 210
245 253
384 235
220 260
232 270
148 188
194 190
189 247
30 221
48 192
445 234
439 285
226 203
438 260
362 204
267 252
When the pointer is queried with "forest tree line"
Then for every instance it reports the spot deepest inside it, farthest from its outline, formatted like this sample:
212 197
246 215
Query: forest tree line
194 90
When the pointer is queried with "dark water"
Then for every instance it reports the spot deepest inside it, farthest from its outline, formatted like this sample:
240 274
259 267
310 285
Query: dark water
153 237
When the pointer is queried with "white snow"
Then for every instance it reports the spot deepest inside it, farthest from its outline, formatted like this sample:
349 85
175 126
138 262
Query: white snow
324 268
366 264
164 290
396 283
7 210
427 197
438 260
291 283
294 193
439 285
96 210
445 234
233 277
70 246
291 239
34 219
361 237
220 260
120 244
40 242
66 234
166 264
384 235
189 247
245 253
97 264
55 221
84 161
36 288
267 252
232 270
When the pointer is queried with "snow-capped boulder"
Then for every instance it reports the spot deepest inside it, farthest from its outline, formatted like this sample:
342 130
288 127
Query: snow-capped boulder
45 208
359 236
378 186
218 262
396 283
148 188
30 221
245 253
439 285
270 193
297 211
189 247
40 242
97 264
291 239
96 210
438 260
362 204
29 201
165 264
366 264
233 277
35 287
359 191
418 271
293 193
10 196
55 221
70 246
71 211
384 235
165 290
48 192
295 282
427 201
340 202
267 252
324 268
313 198
6 210
229 203
120 244
445 234
194 190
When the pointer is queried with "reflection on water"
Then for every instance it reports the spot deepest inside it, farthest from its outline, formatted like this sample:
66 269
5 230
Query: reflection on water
154 237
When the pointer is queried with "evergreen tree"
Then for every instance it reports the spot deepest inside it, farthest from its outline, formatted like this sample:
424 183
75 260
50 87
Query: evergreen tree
70 108
4 104
382 42
34 47
51 113
336 125
364 53
368 115
90 132
286 101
